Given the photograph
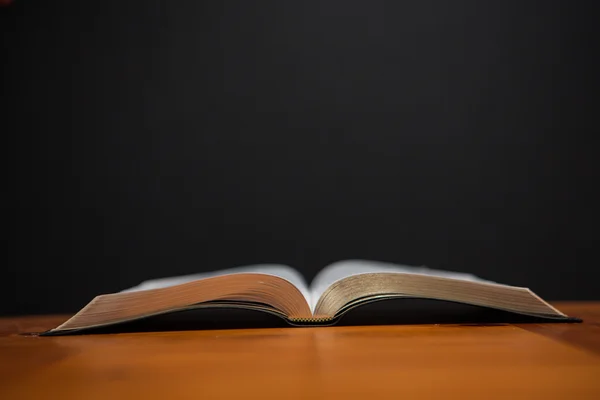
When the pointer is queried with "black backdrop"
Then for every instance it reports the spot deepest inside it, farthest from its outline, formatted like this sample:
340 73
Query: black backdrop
154 138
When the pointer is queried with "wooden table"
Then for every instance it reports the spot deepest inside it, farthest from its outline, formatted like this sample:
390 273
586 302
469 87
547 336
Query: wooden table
397 362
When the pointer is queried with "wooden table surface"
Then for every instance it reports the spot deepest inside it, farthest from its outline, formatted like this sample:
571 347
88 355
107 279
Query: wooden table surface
397 362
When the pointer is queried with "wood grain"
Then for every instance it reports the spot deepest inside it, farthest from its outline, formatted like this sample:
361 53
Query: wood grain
417 361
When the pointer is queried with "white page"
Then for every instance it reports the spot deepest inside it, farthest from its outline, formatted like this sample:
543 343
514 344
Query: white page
342 269
281 271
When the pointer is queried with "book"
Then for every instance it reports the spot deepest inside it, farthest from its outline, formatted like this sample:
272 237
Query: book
282 291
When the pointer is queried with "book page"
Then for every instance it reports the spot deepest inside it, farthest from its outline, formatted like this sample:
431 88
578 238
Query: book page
281 271
342 269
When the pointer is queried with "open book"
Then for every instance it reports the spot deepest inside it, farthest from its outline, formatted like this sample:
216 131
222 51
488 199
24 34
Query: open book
282 291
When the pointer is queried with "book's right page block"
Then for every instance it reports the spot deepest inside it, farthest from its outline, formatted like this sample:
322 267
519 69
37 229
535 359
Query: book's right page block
342 269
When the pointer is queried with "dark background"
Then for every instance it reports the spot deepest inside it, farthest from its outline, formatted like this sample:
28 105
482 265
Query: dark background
153 138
